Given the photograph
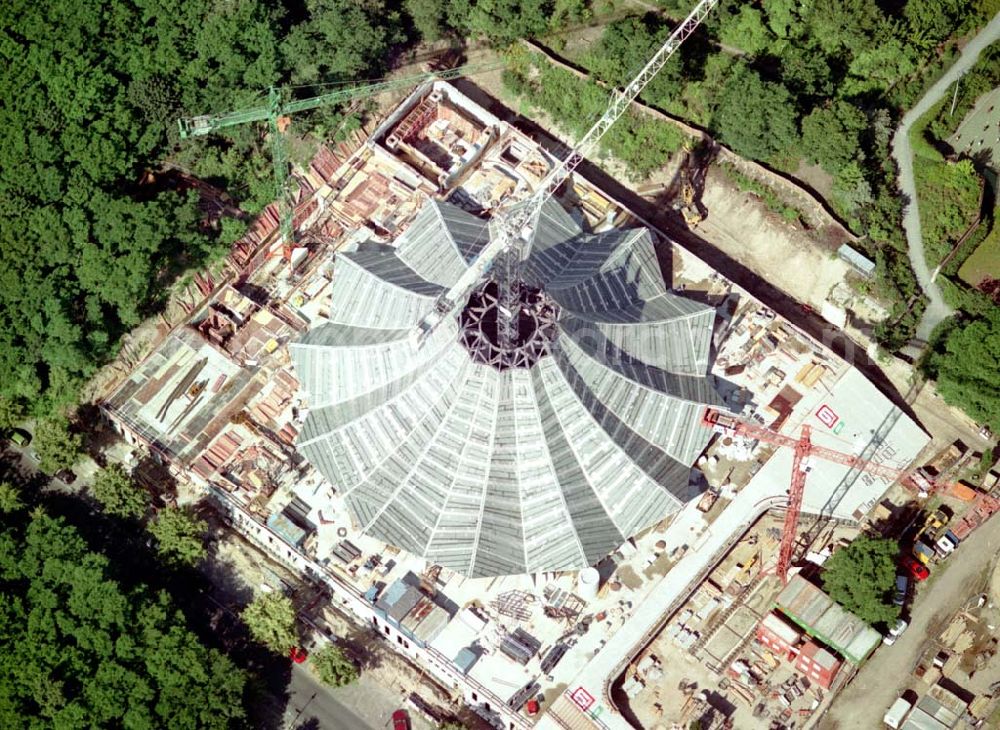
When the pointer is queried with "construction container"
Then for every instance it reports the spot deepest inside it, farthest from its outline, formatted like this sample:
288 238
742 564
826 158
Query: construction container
809 607
777 635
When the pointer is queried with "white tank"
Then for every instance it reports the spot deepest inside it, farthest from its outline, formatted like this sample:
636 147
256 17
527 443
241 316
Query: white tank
588 581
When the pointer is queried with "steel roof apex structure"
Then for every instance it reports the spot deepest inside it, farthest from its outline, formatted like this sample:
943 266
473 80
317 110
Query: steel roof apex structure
545 454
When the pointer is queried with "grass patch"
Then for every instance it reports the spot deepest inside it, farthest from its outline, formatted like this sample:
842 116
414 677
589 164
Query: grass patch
642 143
948 192
762 191
984 263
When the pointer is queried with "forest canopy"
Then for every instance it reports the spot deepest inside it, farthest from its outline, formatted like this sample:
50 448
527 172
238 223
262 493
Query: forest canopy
80 650
92 92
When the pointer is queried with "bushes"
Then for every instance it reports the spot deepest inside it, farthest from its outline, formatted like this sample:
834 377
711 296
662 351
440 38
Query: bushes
766 194
949 201
642 143
965 364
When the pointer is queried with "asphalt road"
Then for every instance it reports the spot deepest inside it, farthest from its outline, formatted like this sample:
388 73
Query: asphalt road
980 130
937 310
312 705
890 670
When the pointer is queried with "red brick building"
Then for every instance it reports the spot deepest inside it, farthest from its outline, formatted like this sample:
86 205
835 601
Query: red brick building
778 636
818 664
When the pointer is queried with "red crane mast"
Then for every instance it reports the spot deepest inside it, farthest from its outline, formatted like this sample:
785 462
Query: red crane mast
804 449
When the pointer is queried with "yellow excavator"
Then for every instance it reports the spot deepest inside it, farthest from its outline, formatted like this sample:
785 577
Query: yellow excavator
685 200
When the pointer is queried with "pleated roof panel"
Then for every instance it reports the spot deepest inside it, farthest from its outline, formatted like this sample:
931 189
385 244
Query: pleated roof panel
508 470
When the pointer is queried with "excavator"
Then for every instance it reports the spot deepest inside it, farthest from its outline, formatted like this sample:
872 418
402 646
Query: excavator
685 200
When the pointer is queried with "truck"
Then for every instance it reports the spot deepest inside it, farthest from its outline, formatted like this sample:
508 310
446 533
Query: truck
983 507
894 717
946 544
923 552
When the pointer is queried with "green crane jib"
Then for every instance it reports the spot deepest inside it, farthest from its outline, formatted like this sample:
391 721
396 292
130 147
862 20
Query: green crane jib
277 108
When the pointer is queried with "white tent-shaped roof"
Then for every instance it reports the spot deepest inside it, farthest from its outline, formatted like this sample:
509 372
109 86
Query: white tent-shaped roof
491 470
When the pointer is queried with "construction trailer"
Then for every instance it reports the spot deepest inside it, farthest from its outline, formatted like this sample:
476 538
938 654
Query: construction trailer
821 617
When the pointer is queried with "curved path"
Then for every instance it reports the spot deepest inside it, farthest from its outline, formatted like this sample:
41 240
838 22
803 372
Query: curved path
937 310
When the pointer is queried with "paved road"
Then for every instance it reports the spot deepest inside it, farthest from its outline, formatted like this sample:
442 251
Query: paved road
980 130
309 699
890 669
937 310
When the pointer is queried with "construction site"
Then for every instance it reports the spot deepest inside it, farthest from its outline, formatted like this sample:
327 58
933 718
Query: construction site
560 463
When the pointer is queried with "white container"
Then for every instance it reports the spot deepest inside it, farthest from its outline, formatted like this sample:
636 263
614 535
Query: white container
588 581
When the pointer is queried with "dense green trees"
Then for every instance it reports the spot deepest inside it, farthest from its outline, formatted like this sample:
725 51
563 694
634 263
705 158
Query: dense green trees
57 447
503 21
270 617
756 117
333 666
179 535
428 17
11 412
10 498
117 494
92 92
78 650
965 364
830 135
862 576
747 31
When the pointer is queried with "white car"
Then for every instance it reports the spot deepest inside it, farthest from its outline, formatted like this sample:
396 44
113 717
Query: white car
890 638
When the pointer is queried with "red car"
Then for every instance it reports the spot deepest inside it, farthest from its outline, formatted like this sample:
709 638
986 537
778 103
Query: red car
400 720
914 567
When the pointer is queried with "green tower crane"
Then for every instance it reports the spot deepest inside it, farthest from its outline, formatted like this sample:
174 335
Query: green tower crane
277 107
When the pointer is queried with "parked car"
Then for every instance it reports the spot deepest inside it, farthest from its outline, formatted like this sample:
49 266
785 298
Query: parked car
400 720
19 437
894 633
902 588
915 569
66 476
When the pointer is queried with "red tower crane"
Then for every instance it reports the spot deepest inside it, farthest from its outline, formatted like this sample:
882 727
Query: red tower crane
804 449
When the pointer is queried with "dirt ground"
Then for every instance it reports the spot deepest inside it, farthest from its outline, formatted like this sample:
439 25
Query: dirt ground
747 231
815 177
